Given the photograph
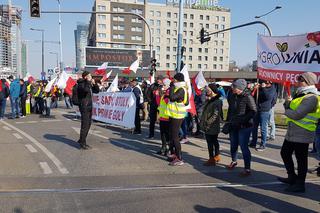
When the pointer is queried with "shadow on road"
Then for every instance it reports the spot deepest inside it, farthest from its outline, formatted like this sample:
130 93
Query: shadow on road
62 139
203 209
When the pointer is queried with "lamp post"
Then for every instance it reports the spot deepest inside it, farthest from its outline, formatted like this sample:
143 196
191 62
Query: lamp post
264 15
57 56
60 36
42 44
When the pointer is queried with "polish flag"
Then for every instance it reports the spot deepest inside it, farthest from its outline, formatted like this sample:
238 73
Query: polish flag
114 85
49 85
133 67
69 86
106 76
62 81
191 107
102 69
199 82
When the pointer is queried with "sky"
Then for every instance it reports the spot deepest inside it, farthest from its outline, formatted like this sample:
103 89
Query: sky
295 17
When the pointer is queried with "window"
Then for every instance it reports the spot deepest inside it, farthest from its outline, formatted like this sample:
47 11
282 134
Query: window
199 66
174 65
206 66
201 17
158 13
221 58
118 36
168 15
136 29
158 31
191 24
185 16
215 43
137 20
136 38
217 18
191 33
101 44
190 58
175 15
184 41
215 66
168 49
168 23
221 66
158 23
215 58
206 58
190 66
102 17
207 26
158 48
208 18
167 65
223 18
190 50
221 51
168 32
184 33
137 11
222 26
174 57
102 35
216 26
185 24
168 57
175 24
168 40
118 27
174 40
102 8
158 40
200 50
221 35
175 32
206 50
151 22
191 41
222 43
199 58
118 18
215 50
117 9
151 13
174 49
102 26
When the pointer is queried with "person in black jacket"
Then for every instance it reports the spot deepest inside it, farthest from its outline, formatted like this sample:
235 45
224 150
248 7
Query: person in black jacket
241 112
86 86
23 97
139 101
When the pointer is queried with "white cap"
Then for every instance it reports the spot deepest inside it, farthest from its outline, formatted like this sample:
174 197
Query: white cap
166 82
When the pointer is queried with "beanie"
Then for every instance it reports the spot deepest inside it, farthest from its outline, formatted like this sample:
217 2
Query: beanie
309 77
179 77
240 84
85 73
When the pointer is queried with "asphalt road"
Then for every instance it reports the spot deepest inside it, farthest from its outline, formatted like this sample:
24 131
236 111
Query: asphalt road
42 169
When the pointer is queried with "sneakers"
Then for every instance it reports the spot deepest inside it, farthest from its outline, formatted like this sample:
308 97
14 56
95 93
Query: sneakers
184 140
261 148
217 158
85 147
210 162
290 180
176 162
232 165
162 152
245 173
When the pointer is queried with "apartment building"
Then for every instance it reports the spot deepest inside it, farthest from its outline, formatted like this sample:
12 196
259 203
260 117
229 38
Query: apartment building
121 31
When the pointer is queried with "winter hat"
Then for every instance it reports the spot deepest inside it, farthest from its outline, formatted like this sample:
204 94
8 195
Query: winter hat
214 88
85 73
166 82
309 77
179 77
240 84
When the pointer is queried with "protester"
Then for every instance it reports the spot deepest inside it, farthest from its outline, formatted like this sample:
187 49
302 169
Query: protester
222 97
23 97
38 95
86 86
5 92
67 100
271 134
303 112
184 129
176 110
145 87
210 123
240 115
14 97
126 86
153 91
54 94
199 101
267 94
139 103
163 101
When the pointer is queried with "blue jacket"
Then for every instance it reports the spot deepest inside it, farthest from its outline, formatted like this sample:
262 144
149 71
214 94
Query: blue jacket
15 89
267 98
23 90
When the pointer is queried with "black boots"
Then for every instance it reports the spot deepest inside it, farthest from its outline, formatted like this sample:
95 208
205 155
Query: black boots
290 180
299 186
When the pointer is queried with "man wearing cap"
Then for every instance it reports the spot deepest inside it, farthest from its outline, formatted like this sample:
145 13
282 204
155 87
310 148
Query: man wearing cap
303 113
86 86
139 101
240 116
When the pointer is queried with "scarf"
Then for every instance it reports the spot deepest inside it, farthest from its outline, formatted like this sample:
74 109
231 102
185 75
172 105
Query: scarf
307 90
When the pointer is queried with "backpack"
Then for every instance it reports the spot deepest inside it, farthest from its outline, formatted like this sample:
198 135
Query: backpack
75 97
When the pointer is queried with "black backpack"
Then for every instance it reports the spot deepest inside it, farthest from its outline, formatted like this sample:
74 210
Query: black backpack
75 97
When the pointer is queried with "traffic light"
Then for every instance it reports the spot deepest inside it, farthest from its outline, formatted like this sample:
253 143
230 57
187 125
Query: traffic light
204 36
153 66
35 8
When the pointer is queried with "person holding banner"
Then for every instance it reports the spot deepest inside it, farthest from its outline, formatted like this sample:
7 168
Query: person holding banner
303 113
86 86
176 110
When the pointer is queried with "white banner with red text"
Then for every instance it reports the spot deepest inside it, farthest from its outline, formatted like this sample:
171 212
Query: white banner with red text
115 108
282 58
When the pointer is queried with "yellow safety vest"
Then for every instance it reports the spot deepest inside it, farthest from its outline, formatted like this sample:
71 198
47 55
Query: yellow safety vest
38 93
177 110
29 88
309 122
162 108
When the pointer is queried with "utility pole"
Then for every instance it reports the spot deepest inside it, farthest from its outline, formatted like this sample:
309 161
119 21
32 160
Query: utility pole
181 3
60 37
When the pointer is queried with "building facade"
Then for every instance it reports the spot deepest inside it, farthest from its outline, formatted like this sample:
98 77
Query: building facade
122 31
81 37
24 58
10 41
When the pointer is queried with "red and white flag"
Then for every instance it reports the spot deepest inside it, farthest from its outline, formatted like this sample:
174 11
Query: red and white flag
106 76
49 85
114 85
133 67
191 107
102 69
69 85
199 82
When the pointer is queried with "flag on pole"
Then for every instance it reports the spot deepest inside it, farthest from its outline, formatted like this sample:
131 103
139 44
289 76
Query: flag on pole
133 67
114 85
69 85
102 69
106 76
199 82
62 81
49 85
191 107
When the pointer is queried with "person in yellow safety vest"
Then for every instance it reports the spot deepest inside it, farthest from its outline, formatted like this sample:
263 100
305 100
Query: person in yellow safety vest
28 101
176 110
303 113
162 100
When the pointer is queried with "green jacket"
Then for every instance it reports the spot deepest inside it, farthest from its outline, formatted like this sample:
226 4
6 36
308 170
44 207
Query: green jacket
211 116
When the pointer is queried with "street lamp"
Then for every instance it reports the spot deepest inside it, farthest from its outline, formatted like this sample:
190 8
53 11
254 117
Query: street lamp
55 53
42 42
60 37
274 9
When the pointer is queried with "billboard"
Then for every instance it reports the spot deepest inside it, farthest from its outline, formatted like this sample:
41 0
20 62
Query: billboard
116 58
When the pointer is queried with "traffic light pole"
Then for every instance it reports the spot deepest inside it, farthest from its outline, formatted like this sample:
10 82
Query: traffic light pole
109 13
180 35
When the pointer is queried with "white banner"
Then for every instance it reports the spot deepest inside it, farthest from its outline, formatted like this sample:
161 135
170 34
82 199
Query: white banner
283 58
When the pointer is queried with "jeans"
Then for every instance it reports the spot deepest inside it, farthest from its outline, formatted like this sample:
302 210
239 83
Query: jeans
3 107
301 152
164 133
175 146
23 106
262 119
68 102
85 126
14 107
184 129
241 137
272 124
318 145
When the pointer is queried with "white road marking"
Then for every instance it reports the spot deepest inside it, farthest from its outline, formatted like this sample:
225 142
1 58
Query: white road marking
147 188
33 122
48 121
6 128
51 156
31 148
17 136
45 168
